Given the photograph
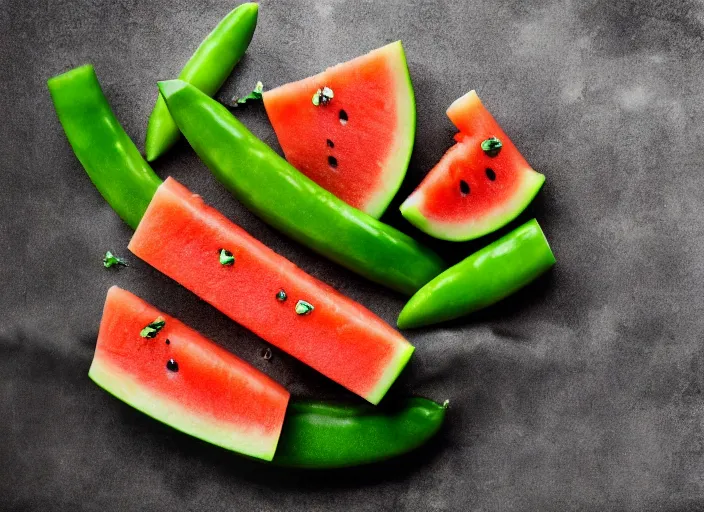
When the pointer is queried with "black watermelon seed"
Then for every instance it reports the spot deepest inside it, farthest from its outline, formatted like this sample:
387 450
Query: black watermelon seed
172 365
464 187
490 174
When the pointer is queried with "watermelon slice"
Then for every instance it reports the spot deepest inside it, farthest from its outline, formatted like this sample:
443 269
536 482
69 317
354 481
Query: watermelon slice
225 266
480 184
357 143
176 376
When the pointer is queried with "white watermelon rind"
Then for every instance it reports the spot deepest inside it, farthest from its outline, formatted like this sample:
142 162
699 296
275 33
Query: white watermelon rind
397 164
127 388
391 372
461 231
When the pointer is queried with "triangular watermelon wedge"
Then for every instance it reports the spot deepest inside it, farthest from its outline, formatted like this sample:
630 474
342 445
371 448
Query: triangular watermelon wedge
168 371
481 184
357 141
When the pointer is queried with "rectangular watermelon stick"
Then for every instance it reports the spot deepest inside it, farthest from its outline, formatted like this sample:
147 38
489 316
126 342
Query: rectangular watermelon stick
168 371
353 137
202 250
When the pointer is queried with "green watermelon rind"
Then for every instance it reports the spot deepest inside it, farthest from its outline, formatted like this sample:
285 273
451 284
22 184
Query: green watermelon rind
397 164
391 372
128 389
463 231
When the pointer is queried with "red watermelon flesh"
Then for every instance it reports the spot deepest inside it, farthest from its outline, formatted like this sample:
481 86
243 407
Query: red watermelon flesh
184 380
358 144
472 192
182 237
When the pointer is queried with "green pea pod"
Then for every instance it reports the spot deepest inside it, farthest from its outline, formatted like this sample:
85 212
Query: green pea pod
324 435
207 70
291 202
484 278
106 152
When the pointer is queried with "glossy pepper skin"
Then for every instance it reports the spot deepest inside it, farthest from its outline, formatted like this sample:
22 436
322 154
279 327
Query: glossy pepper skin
291 202
484 278
106 152
207 69
324 435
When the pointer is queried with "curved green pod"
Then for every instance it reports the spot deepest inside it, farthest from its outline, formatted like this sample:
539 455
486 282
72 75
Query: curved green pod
207 70
291 202
327 435
106 152
484 278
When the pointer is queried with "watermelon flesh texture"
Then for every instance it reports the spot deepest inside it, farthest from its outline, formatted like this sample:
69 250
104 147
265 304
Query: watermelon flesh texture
213 395
359 144
182 237
470 193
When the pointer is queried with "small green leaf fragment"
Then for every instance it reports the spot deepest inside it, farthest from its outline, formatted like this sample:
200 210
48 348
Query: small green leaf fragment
255 95
281 295
304 308
491 146
110 260
226 258
151 330
323 96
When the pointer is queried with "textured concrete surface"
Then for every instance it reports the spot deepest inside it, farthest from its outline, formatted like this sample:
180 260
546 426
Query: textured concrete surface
583 392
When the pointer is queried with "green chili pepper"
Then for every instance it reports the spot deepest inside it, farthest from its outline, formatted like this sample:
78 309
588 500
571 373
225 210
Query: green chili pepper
207 69
288 200
484 278
106 152
324 435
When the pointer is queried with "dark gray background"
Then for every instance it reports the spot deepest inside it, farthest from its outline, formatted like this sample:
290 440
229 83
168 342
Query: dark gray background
583 392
